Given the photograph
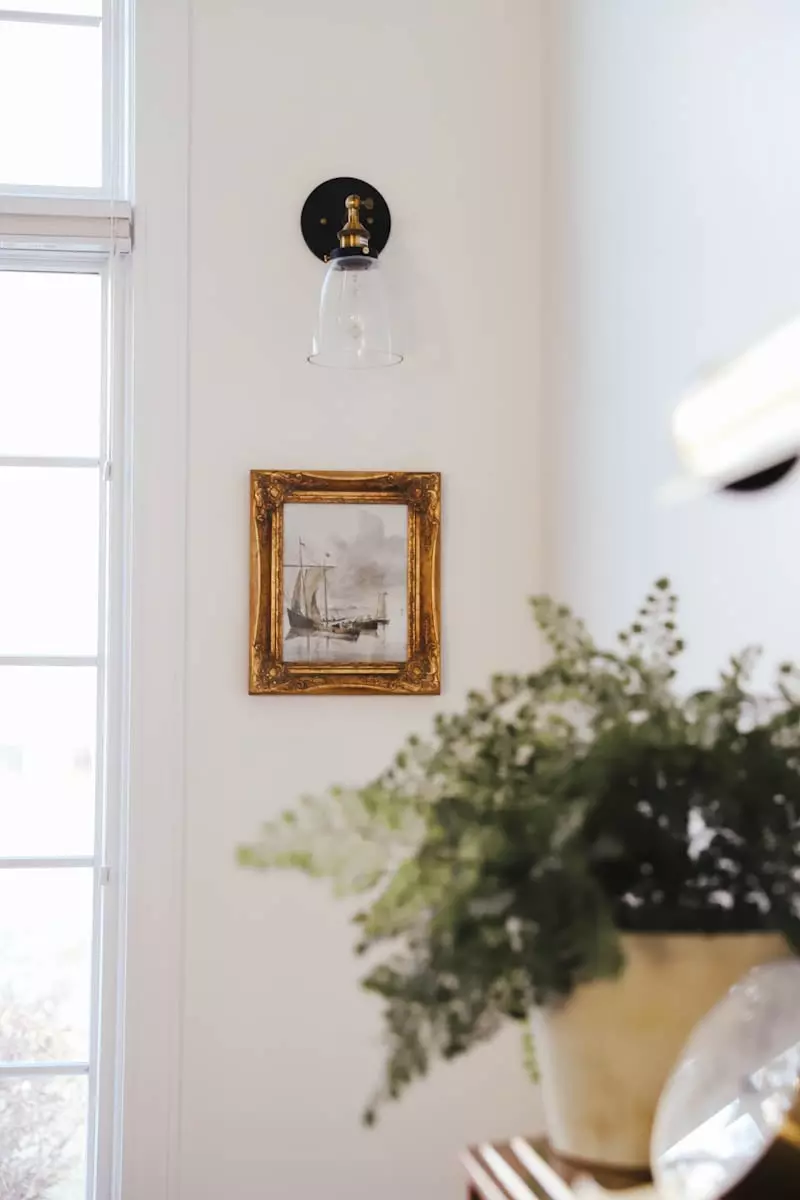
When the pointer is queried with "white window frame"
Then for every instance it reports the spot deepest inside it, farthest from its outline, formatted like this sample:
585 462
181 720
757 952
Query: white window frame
104 862
116 21
141 972
89 230
109 772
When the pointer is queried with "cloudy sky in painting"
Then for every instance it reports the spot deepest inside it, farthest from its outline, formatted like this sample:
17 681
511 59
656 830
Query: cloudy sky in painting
367 545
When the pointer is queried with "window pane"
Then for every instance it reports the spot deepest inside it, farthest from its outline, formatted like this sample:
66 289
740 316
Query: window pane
47 760
50 104
50 363
73 8
45 963
43 1137
49 553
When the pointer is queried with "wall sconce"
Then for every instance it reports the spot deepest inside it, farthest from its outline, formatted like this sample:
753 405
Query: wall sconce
353 326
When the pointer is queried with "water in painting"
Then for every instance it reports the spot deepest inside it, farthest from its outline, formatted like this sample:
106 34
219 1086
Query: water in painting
345 585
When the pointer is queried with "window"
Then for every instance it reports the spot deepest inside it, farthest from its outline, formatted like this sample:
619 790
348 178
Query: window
64 237
60 95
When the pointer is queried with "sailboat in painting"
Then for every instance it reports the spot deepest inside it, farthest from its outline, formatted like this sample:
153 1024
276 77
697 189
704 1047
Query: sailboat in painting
379 621
304 613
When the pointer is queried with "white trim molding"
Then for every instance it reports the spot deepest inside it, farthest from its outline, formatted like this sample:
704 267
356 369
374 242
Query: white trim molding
156 601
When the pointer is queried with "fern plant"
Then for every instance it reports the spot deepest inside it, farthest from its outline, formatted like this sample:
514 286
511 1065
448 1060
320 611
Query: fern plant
500 860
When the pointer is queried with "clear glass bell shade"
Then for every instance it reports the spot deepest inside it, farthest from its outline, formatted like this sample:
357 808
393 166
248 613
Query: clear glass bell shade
354 329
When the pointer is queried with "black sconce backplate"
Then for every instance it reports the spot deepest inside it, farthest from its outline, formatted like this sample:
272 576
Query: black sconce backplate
324 214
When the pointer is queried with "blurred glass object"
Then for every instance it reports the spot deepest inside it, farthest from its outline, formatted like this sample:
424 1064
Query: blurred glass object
727 1120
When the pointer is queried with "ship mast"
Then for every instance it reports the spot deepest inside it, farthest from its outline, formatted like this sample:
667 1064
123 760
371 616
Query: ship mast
303 578
325 588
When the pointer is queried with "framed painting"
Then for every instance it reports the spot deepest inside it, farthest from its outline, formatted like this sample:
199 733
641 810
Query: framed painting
344 582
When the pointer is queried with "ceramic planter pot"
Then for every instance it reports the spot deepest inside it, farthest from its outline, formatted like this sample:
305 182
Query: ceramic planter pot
606 1053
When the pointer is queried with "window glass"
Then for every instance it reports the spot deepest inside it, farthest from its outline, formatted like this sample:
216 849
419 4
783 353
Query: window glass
42 1129
50 364
47 761
49 551
51 101
45 963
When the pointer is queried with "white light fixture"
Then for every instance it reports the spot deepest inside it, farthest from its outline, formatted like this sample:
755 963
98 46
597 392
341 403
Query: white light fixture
739 428
353 328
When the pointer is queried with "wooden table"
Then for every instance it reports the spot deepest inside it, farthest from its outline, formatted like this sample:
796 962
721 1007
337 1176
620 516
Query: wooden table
526 1169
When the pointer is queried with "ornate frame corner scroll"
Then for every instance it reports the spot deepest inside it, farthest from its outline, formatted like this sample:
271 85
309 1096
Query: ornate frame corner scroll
420 674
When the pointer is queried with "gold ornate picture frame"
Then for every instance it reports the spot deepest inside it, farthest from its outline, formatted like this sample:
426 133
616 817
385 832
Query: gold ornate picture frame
344 582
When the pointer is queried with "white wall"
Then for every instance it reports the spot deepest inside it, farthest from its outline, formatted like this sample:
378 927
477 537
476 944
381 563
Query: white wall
671 184
673 239
438 104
